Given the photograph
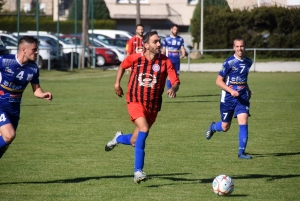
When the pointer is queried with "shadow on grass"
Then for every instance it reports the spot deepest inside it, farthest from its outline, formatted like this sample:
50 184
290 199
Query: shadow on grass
169 177
276 154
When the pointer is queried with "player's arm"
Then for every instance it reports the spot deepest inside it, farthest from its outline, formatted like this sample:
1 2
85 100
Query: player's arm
183 52
220 82
173 78
39 93
129 47
118 88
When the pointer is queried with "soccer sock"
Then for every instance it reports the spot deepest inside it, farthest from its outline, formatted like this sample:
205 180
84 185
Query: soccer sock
124 139
217 127
169 85
2 143
243 138
139 151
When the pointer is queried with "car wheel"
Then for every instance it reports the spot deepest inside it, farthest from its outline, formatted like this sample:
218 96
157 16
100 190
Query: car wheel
100 60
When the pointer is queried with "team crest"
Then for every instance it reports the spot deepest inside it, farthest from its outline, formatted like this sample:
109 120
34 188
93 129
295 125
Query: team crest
8 70
155 67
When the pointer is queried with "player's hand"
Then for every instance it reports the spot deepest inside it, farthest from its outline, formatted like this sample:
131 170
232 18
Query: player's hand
234 93
48 96
250 94
171 93
119 91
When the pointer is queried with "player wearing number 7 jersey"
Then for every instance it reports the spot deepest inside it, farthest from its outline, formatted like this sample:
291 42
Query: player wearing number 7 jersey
235 96
16 71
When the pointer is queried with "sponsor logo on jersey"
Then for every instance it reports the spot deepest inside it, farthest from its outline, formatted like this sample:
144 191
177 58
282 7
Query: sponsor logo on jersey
29 77
147 80
8 70
155 67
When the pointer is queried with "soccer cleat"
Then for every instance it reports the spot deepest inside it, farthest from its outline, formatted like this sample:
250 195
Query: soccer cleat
139 176
209 132
111 144
244 156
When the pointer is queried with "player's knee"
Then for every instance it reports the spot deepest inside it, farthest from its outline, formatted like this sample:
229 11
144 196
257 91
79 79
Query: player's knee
226 128
8 137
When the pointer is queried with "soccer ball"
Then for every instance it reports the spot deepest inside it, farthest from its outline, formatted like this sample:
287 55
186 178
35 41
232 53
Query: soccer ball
223 185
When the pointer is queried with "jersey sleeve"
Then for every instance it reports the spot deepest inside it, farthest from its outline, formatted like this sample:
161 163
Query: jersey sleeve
224 70
164 44
35 78
172 72
127 62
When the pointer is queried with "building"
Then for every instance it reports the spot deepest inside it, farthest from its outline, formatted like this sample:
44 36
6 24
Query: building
249 4
154 14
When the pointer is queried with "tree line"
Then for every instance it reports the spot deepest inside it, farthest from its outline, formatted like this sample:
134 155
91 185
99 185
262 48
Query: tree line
262 27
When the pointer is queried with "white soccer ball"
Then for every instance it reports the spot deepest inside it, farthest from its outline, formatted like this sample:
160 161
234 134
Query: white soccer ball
223 185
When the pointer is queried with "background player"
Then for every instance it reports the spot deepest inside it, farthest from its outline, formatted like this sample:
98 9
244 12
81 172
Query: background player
16 71
173 45
233 80
135 44
149 71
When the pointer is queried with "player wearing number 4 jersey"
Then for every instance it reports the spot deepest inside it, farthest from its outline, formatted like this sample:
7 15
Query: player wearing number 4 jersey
149 71
233 80
16 71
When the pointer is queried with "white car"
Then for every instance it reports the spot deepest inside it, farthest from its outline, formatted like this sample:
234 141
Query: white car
112 33
45 50
121 52
67 48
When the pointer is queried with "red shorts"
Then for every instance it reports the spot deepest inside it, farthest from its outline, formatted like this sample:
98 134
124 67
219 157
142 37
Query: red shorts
137 110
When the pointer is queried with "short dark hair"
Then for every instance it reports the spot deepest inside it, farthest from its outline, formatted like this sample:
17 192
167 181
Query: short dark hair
139 25
28 39
239 38
148 35
174 25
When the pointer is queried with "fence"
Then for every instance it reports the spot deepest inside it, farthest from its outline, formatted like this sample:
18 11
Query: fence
248 49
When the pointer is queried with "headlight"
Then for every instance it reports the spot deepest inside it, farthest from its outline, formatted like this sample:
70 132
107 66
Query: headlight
121 51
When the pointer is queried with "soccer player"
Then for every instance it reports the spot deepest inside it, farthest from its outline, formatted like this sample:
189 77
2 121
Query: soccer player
149 71
235 96
172 46
135 44
16 71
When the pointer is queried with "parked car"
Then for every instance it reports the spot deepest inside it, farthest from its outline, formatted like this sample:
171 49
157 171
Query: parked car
3 50
103 55
121 52
119 42
45 50
68 49
112 33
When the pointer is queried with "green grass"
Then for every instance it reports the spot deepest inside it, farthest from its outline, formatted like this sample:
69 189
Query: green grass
59 150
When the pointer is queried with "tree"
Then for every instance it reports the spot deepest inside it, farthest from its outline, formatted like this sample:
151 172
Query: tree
99 6
2 2
195 21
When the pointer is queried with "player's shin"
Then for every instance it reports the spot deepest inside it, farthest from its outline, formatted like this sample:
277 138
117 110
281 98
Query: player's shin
139 151
243 138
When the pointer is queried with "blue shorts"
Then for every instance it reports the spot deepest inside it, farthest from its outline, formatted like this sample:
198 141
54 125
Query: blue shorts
233 107
9 119
176 65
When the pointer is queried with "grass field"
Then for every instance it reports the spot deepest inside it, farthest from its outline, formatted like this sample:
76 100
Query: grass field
59 150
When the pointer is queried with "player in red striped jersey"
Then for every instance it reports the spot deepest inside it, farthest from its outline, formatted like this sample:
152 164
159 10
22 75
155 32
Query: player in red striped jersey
135 44
149 70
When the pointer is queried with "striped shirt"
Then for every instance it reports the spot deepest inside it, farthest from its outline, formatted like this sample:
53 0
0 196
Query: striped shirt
147 79
134 44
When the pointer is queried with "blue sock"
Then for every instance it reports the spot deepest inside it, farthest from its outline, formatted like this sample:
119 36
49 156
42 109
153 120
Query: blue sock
169 85
2 143
139 151
243 138
217 127
124 139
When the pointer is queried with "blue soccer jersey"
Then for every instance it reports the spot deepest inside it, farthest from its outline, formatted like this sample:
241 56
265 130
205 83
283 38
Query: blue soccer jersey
173 46
235 73
14 77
